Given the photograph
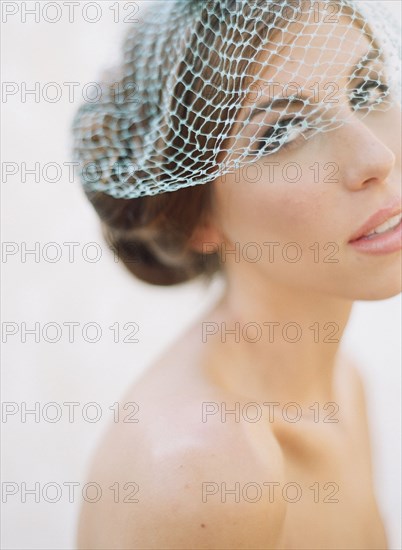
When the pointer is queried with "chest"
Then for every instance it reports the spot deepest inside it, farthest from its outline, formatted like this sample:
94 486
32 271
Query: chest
329 493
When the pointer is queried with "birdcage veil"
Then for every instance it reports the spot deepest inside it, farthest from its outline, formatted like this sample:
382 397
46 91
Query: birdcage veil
185 105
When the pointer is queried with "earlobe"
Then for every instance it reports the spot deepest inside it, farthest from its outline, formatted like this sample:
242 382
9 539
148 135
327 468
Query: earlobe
206 239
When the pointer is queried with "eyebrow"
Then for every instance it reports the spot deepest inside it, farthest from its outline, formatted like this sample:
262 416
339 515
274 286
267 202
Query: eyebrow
277 103
298 99
368 57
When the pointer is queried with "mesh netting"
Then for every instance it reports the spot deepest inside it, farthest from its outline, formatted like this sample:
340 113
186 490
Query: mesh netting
206 87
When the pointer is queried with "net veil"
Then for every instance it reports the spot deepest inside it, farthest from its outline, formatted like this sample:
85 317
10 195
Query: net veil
208 86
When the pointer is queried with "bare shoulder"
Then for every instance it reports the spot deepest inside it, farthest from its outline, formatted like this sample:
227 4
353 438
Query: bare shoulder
182 477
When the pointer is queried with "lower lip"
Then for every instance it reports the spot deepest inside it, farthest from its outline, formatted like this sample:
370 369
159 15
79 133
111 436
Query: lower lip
385 243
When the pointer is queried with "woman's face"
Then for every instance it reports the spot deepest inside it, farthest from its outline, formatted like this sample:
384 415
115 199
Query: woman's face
316 193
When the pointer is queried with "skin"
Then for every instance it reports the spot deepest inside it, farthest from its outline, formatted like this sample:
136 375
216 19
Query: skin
171 452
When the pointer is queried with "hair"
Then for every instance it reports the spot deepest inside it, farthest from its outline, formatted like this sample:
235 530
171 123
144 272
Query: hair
151 234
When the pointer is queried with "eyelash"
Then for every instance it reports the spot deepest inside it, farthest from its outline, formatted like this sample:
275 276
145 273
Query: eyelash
286 123
367 85
356 102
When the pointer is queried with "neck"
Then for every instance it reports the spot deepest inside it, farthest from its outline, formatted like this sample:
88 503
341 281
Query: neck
283 343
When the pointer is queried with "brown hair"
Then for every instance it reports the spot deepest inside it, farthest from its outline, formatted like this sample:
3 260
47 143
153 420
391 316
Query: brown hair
151 234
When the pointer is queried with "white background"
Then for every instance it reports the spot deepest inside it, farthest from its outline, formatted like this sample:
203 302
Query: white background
103 292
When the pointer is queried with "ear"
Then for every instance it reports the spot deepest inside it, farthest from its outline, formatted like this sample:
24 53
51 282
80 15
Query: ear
206 238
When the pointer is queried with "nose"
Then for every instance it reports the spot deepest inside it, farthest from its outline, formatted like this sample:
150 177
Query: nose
364 158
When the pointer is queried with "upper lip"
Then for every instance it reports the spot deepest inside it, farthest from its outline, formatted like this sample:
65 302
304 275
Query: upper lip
377 219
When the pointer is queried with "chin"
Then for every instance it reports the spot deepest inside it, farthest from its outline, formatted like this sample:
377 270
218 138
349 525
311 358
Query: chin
378 278
381 289
379 295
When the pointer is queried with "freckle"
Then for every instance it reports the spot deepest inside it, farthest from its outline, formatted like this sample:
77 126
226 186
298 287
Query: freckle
202 524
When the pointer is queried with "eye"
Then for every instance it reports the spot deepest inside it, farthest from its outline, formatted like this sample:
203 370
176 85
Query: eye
283 133
369 93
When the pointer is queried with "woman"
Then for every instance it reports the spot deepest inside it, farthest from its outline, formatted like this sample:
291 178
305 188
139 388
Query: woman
252 427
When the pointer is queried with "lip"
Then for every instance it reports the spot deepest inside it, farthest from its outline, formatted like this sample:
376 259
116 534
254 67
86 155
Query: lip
377 219
383 243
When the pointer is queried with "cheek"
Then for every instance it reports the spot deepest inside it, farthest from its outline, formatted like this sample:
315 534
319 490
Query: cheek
279 211
390 130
